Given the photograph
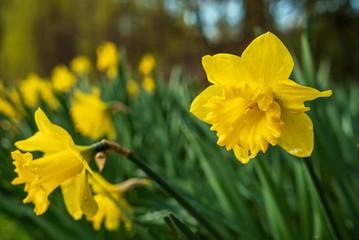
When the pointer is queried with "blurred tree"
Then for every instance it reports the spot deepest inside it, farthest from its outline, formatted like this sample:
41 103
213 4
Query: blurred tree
36 35
334 30
18 53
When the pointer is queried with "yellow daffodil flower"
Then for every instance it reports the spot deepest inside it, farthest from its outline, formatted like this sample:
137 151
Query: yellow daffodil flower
63 164
105 195
91 116
15 99
48 96
147 64
29 89
62 79
33 87
108 59
148 83
80 65
252 101
9 110
132 88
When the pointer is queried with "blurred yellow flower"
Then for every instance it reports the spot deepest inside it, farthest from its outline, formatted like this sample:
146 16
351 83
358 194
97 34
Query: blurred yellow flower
62 79
9 110
108 59
105 195
92 117
148 83
252 102
112 72
63 164
132 88
80 65
15 99
33 87
147 64
29 89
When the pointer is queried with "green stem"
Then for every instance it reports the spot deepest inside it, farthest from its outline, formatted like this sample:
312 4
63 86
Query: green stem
322 200
107 145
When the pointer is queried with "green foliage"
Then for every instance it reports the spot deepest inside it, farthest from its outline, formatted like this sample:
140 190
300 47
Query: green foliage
271 197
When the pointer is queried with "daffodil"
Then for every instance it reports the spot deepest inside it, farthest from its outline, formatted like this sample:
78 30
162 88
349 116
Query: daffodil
92 116
48 95
108 196
30 91
132 88
15 99
253 103
147 64
9 110
62 79
63 164
149 84
80 65
108 59
33 88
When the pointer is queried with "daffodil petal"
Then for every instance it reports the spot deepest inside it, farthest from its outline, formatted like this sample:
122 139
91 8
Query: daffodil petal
44 125
198 105
223 69
87 203
241 154
50 138
297 134
71 193
292 95
266 60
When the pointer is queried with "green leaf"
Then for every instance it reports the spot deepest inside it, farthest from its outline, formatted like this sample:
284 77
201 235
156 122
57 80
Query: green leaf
183 232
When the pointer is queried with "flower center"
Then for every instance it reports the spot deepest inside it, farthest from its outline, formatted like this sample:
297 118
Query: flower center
245 116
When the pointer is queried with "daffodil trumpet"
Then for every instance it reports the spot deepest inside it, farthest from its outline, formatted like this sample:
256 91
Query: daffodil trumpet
105 146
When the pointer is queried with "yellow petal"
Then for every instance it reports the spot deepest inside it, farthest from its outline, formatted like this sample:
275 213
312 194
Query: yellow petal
38 196
87 203
91 115
44 125
292 95
49 139
241 154
112 217
297 134
197 107
78 196
71 193
223 69
266 60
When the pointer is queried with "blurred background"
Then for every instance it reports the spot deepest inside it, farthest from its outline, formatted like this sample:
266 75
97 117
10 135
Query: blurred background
35 35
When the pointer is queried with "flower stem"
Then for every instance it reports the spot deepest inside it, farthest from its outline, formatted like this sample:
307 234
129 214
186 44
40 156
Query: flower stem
322 200
106 145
